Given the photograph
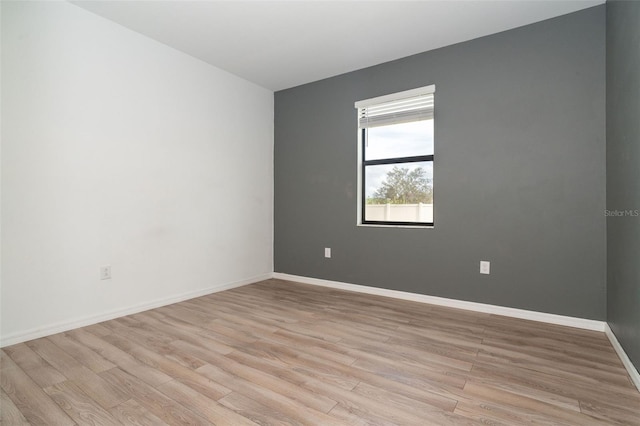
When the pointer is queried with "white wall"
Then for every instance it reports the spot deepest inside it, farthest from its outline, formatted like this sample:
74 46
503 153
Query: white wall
118 150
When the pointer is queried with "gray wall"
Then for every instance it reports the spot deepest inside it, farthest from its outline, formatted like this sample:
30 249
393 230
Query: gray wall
623 174
519 173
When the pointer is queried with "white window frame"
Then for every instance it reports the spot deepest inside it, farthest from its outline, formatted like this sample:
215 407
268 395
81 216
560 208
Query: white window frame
407 94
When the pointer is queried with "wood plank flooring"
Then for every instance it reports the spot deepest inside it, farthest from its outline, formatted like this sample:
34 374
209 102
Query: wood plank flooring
282 353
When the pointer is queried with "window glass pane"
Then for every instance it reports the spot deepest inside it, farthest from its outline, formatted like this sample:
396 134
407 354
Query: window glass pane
399 192
399 140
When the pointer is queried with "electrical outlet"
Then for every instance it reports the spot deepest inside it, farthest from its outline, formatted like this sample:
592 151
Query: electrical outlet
485 267
327 252
105 272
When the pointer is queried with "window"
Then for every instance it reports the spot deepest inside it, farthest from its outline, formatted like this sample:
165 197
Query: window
396 148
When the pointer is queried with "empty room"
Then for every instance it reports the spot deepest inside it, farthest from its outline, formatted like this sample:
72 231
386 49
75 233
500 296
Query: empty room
320 212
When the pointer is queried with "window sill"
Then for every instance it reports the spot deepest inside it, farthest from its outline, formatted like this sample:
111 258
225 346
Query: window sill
375 225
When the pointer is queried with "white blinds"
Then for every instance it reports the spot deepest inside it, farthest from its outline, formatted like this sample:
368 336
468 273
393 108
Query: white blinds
403 107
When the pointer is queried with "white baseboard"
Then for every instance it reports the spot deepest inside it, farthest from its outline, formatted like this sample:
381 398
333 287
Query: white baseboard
633 372
582 323
62 326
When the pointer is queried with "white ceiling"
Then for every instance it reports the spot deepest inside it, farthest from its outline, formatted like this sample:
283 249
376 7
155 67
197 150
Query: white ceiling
282 44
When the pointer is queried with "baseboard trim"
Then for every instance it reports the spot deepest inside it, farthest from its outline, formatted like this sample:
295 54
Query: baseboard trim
628 365
582 323
63 326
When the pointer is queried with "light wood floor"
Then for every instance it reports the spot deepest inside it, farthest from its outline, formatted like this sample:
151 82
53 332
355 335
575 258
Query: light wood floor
277 352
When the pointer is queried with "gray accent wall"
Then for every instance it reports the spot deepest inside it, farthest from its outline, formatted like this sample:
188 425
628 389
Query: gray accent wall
623 174
519 173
